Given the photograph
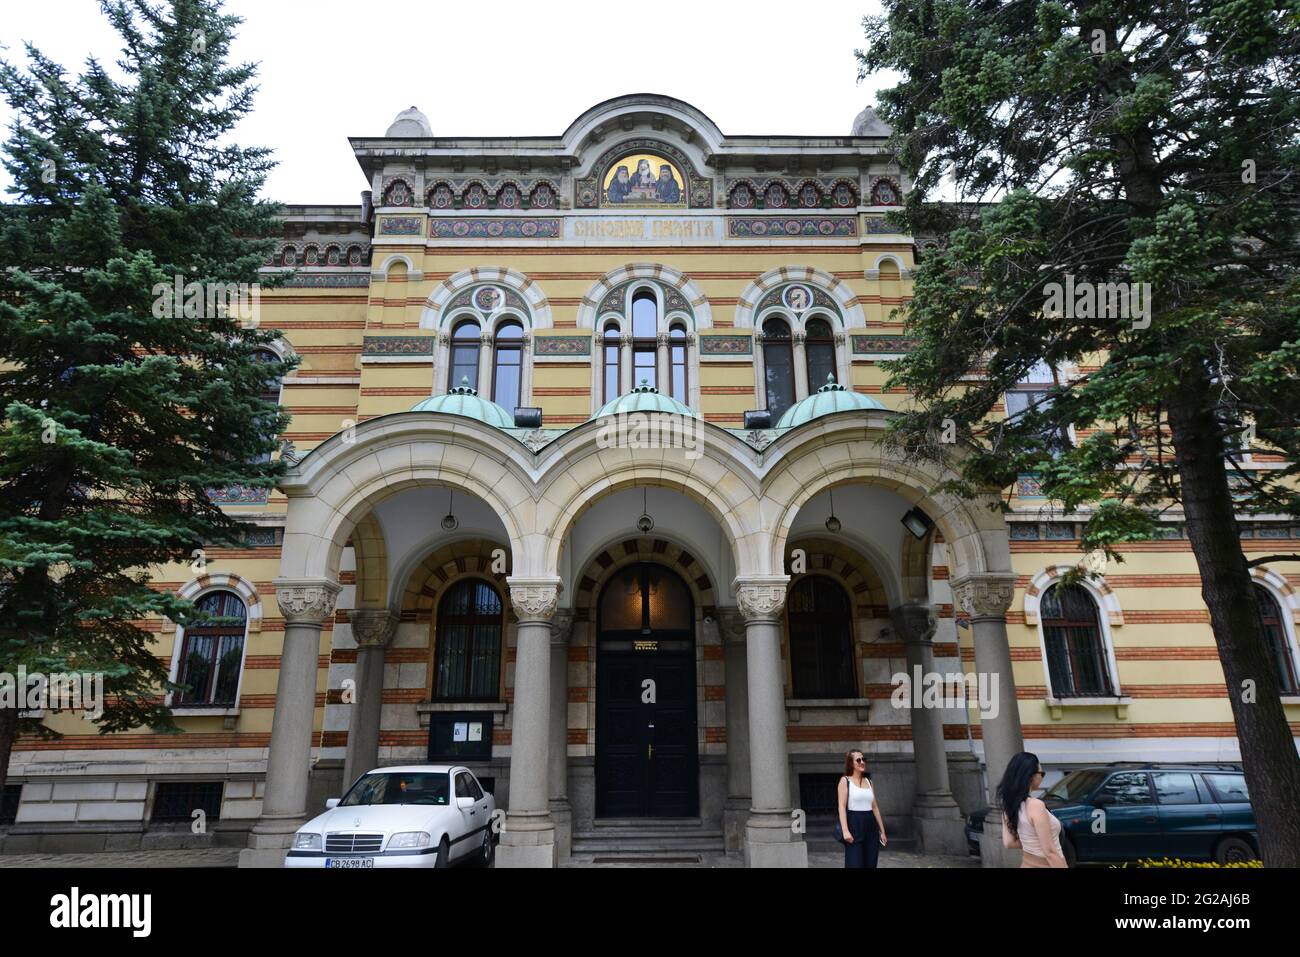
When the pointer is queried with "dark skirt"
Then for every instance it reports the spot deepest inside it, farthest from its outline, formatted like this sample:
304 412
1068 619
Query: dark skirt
865 849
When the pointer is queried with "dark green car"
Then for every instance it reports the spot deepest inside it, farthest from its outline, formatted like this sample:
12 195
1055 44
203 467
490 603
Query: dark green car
1127 812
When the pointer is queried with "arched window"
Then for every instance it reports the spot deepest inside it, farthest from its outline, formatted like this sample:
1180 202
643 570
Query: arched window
271 395
1276 640
679 382
464 355
819 347
610 357
508 365
821 640
1076 654
644 599
467 666
211 653
645 334
778 364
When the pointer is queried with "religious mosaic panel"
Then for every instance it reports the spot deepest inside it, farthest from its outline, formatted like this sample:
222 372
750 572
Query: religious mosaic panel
616 299
643 173
799 297
487 300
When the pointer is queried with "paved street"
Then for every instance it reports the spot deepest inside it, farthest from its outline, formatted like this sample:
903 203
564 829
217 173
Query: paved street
229 857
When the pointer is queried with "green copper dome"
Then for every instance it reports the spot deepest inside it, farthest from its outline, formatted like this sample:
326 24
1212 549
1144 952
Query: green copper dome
644 398
465 401
829 398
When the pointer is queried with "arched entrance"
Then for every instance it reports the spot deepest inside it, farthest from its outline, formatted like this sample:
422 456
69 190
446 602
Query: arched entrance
647 754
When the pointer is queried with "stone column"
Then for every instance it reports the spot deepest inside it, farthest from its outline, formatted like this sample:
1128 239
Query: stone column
305 607
373 632
528 839
937 818
558 768
801 368
735 814
770 838
985 598
662 364
625 383
484 387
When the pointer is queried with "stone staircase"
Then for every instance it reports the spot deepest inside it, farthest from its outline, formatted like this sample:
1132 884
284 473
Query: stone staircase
647 839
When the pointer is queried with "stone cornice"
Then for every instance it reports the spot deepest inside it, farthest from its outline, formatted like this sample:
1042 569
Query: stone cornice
306 601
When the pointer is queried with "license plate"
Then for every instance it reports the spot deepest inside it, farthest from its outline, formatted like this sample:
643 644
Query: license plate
349 862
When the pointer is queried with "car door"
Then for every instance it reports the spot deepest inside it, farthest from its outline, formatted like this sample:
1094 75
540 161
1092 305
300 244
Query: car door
1130 821
1229 789
481 814
464 816
1189 816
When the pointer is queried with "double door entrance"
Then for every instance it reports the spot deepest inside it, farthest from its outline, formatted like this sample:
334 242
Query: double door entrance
647 758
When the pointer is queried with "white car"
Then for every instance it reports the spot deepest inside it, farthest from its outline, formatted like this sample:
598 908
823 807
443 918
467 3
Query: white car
420 816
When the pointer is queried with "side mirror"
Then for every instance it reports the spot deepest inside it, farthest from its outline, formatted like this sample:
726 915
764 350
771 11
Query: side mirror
331 804
464 802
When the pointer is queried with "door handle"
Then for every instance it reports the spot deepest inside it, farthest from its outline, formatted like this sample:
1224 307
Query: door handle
1149 820
1211 817
649 752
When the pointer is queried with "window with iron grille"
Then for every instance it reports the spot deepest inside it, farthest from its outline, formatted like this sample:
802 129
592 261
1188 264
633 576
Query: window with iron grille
1276 641
817 793
1076 654
9 803
468 653
178 800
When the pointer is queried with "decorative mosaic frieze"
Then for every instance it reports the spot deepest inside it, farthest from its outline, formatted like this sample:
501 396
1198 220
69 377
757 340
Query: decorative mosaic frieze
882 345
796 296
400 225
328 281
674 301
494 228
879 226
561 345
726 345
492 193
784 193
397 346
487 299
794 227
238 495
316 253
699 189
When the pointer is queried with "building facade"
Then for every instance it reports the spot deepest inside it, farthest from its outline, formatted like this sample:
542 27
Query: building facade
532 527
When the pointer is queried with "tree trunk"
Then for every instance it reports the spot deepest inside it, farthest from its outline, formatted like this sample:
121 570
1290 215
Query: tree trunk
1268 750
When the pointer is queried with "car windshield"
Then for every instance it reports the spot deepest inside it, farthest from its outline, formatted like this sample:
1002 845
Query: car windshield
1074 786
399 789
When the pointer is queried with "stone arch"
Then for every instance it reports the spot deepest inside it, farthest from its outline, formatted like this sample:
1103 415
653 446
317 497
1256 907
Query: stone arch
338 483
851 567
227 581
837 289
367 541
587 310
1105 597
915 566
380 273
810 461
894 260
1287 597
577 472
432 557
621 551
538 305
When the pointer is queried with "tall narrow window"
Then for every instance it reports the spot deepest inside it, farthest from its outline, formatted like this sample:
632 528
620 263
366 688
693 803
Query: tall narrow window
1275 638
820 350
778 363
508 365
212 652
677 364
1076 654
611 362
271 394
645 332
821 640
464 355
1034 393
468 662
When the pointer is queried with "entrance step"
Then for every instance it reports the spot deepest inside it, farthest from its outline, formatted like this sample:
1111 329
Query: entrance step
648 838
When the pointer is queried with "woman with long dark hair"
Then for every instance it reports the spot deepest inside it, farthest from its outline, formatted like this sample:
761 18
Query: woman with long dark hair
860 820
1026 821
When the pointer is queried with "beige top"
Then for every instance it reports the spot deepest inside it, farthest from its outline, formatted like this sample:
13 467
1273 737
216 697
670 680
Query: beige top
1028 835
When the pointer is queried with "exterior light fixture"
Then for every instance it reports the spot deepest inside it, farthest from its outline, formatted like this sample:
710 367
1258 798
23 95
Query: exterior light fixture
645 522
449 521
917 522
833 523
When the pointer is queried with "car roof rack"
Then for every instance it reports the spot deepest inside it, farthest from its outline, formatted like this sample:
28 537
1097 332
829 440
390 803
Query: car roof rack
1180 765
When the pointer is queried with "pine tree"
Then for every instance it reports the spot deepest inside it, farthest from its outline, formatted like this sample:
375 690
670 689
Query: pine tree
1153 146
123 406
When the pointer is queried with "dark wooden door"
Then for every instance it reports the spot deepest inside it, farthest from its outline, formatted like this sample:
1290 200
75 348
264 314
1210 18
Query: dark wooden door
647 756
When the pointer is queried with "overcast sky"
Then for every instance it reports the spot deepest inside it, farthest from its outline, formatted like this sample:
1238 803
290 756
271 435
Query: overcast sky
330 69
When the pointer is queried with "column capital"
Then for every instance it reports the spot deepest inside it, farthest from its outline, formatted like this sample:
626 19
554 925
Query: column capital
986 595
731 627
535 599
373 628
307 601
761 598
915 622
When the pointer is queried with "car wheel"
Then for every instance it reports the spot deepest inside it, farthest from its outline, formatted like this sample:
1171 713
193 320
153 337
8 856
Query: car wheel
1071 855
487 851
444 853
1234 850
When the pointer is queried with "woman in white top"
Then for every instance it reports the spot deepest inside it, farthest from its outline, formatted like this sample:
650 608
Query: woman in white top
860 820
1026 821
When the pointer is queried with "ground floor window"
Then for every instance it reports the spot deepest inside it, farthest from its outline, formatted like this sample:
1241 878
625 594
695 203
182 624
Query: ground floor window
821 640
212 653
1076 654
468 642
